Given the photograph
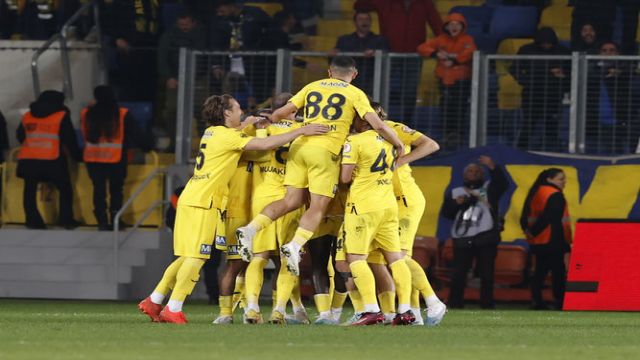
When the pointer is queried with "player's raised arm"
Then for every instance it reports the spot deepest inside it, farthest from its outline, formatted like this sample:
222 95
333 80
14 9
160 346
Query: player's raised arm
421 147
381 128
275 141
283 112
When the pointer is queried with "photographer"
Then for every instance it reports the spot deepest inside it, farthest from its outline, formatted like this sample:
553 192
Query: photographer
476 228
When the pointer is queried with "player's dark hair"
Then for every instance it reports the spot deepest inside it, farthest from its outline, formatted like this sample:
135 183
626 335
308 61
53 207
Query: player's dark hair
103 117
214 107
540 180
360 12
343 64
379 109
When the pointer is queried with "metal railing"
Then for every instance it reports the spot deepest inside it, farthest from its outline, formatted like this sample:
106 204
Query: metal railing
62 38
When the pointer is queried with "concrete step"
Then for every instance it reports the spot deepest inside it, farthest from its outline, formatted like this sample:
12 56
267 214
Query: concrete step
60 290
77 273
69 256
79 238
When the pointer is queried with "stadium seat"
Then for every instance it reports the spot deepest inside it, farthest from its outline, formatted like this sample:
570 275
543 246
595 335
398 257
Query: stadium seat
169 12
269 8
476 16
428 91
514 21
427 121
557 18
335 28
559 3
509 93
319 43
425 251
444 6
485 42
142 112
509 47
511 263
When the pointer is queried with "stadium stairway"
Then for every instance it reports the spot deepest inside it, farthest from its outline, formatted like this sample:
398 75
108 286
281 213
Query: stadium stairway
78 264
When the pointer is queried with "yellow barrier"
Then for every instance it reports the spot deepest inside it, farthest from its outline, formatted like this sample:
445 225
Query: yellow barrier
47 196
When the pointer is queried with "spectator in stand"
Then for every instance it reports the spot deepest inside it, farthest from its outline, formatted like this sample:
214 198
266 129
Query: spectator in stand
40 19
44 132
8 18
306 12
186 33
544 84
476 228
403 24
108 131
454 51
602 14
282 33
546 223
588 41
365 41
540 4
237 27
611 127
133 26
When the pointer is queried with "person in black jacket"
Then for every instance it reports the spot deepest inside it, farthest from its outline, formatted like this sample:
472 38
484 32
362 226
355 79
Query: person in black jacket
547 226
544 83
108 131
36 166
476 228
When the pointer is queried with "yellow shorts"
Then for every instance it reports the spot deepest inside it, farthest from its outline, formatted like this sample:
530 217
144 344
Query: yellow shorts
366 232
194 231
279 232
329 226
409 220
313 167
231 243
341 255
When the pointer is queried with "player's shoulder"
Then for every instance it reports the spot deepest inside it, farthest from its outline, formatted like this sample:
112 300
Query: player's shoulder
400 127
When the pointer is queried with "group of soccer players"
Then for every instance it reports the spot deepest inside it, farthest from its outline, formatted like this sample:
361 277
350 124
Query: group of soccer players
289 174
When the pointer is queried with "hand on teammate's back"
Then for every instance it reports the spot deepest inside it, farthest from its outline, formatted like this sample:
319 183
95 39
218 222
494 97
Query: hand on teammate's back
314 129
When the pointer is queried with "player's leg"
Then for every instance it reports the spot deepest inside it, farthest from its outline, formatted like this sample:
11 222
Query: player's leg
286 283
254 277
152 305
227 287
186 279
320 251
385 288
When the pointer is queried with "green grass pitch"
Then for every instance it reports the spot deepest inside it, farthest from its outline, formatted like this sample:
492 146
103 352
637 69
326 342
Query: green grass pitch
31 329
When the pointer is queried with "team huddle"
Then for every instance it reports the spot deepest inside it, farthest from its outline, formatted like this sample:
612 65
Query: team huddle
337 186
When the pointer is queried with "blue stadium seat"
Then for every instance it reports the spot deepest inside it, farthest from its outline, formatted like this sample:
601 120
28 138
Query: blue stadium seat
485 42
426 119
476 16
514 22
169 12
141 111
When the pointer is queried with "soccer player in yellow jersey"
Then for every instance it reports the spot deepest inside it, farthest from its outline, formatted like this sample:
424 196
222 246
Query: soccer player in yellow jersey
371 221
199 206
411 205
277 233
313 164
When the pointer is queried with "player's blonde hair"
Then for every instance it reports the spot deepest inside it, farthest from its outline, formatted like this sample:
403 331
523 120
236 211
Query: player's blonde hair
214 107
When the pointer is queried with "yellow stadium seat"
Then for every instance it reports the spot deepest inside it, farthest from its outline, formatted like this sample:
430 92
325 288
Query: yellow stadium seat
320 43
559 19
509 93
559 3
428 90
269 8
346 8
336 28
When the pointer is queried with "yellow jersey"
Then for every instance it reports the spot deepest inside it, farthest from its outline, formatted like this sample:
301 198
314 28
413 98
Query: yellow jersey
240 186
334 103
406 188
219 152
273 171
372 186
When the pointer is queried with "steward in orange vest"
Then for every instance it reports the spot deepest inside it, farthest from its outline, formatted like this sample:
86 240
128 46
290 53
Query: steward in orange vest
107 129
545 221
44 132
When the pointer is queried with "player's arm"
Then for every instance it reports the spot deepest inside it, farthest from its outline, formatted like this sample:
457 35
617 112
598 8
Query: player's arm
421 147
346 173
283 112
275 141
386 132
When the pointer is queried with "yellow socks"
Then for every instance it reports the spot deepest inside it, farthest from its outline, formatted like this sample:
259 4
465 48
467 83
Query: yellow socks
387 301
323 304
337 302
168 280
225 305
186 280
402 279
356 301
274 298
296 296
238 294
419 279
415 299
285 285
260 222
366 283
254 277
302 236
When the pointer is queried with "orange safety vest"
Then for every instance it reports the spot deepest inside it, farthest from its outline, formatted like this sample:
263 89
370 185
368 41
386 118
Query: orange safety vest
42 137
538 204
106 150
